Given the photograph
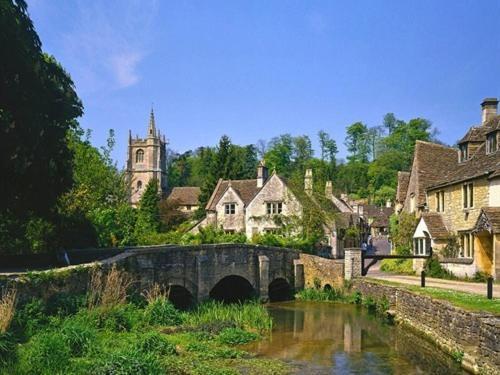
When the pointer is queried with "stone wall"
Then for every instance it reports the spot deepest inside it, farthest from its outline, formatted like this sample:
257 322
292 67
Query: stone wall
327 271
454 330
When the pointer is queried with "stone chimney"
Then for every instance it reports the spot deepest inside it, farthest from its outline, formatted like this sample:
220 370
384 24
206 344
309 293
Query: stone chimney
308 182
489 109
262 174
328 189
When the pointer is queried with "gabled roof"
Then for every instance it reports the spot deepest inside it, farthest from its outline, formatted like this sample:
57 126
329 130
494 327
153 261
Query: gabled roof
246 189
185 195
488 219
435 224
475 134
403 180
432 162
380 215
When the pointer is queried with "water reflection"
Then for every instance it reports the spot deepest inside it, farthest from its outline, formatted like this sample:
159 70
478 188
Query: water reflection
344 339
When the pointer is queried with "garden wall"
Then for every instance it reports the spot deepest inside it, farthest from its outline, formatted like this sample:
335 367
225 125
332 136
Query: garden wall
454 330
326 271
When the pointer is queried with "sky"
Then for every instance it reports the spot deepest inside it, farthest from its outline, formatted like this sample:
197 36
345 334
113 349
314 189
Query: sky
256 69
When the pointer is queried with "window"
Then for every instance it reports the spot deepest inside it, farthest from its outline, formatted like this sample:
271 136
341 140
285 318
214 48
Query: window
274 208
230 208
463 152
188 207
440 201
421 246
491 143
466 245
468 195
139 156
139 185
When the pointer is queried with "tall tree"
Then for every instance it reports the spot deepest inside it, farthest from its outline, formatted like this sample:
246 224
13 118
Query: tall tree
38 105
358 142
148 216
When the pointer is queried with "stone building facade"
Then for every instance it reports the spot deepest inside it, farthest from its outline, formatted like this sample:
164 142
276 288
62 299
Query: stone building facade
268 203
146 159
458 198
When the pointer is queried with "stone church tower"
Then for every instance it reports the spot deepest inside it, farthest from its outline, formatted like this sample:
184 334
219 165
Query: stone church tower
146 159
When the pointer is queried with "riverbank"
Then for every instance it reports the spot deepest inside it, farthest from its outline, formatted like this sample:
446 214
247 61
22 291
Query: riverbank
109 331
469 336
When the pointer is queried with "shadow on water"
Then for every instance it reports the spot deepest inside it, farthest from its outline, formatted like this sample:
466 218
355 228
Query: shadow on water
325 338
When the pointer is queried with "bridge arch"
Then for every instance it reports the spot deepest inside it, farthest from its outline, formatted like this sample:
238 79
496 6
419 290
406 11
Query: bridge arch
280 290
231 289
180 296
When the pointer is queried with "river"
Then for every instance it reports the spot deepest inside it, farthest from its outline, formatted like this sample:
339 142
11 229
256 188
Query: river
328 338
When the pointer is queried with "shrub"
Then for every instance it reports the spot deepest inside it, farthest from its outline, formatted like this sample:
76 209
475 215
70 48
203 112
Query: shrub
31 317
45 353
127 363
7 308
480 277
162 312
433 268
403 266
154 342
7 348
236 336
64 304
120 318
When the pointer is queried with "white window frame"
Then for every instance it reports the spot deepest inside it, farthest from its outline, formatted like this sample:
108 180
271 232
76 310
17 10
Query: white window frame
274 208
229 208
440 201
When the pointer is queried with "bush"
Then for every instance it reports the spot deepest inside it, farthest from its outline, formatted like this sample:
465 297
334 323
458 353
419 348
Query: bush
433 268
403 266
154 342
129 362
121 318
162 312
236 336
64 304
7 348
45 353
31 317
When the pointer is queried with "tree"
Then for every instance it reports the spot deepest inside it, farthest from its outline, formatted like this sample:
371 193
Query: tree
302 152
279 154
358 142
328 147
38 105
148 215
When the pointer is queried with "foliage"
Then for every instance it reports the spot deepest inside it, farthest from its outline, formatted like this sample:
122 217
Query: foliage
78 336
433 268
7 308
236 336
401 229
148 215
154 342
129 362
400 266
162 312
38 105
47 353
108 289
452 247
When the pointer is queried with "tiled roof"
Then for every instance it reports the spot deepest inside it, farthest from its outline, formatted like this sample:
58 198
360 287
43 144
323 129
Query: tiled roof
475 134
246 189
185 195
493 216
432 162
435 225
403 180
380 215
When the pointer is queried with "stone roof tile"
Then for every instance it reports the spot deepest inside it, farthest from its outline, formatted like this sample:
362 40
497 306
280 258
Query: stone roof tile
185 195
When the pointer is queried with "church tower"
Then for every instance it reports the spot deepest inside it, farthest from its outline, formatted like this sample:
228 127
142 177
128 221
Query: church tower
146 159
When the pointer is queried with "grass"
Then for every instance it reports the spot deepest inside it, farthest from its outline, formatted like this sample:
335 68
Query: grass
467 301
399 266
7 308
111 335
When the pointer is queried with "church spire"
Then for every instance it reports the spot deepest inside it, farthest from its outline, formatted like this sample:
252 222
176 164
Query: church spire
152 126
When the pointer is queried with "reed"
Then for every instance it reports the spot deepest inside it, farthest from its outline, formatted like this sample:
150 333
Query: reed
110 289
7 308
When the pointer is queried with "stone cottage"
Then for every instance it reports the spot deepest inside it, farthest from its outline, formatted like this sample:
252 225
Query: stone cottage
455 193
267 203
185 199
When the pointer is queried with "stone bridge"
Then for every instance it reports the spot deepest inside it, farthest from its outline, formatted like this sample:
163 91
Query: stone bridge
227 272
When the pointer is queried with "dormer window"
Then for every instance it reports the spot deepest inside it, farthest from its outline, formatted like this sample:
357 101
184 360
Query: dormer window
464 152
491 143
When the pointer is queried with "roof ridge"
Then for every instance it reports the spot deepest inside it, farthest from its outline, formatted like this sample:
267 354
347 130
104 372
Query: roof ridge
434 144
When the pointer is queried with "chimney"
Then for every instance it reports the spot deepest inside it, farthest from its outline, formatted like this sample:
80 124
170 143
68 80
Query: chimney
388 203
328 189
489 109
262 174
308 182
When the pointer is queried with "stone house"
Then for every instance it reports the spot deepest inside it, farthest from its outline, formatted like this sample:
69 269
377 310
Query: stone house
146 160
458 202
185 198
266 204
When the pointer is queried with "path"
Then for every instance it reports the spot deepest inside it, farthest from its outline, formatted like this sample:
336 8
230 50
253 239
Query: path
461 286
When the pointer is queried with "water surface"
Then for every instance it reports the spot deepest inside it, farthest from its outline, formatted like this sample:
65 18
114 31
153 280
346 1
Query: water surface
327 338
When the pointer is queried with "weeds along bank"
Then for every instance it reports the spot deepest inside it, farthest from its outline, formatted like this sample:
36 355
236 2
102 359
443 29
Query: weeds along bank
109 331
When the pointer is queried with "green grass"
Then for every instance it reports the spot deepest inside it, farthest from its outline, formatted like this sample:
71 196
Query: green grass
467 301
399 266
133 339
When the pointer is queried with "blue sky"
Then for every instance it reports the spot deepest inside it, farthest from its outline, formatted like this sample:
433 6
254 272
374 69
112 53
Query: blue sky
257 69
